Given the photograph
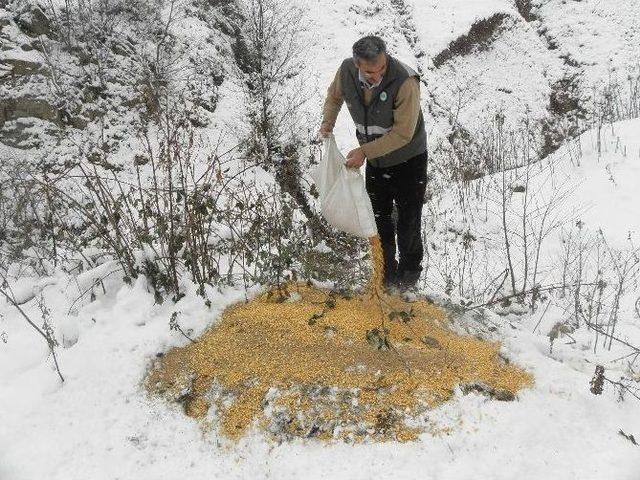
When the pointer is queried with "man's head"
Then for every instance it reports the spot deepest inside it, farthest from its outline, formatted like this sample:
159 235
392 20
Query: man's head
370 56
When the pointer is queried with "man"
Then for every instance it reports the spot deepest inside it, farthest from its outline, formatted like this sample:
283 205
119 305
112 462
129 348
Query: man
383 98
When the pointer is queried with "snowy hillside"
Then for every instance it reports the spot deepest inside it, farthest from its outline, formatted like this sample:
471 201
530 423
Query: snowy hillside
154 170
479 58
101 424
535 59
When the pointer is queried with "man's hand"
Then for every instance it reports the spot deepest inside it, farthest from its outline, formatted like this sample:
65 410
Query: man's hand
355 158
324 132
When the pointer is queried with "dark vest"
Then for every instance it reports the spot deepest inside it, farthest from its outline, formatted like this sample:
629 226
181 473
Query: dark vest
376 119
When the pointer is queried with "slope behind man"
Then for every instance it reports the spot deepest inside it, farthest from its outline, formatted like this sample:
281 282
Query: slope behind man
383 98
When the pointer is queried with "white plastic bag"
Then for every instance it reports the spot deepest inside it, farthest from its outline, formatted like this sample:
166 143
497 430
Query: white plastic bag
343 198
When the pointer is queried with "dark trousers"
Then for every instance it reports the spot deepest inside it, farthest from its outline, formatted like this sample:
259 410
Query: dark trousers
404 185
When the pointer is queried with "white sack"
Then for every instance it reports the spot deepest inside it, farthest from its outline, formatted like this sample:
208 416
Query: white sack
344 201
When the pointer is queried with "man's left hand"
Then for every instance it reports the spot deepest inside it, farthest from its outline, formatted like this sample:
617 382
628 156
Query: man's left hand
355 158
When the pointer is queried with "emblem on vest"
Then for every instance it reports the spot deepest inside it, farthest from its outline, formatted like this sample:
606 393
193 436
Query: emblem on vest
383 96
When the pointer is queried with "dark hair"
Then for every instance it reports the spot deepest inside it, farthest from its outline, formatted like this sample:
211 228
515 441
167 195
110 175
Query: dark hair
368 48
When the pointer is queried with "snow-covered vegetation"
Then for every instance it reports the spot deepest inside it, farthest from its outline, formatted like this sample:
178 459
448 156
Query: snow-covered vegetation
155 160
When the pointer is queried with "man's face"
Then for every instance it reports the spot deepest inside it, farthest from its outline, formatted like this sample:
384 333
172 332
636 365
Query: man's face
373 71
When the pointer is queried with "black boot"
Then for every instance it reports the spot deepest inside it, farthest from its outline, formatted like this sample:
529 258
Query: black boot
408 279
390 281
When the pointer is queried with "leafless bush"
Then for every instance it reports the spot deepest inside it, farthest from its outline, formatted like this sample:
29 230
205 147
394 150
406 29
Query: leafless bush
269 70
176 214
171 210
522 208
29 235
269 61
510 155
614 100
597 276
571 111
480 34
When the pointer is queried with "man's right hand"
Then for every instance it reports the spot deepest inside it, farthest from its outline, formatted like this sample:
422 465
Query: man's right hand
324 132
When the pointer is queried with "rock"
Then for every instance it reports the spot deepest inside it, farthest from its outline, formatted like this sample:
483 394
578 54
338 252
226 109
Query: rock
19 134
431 342
504 395
14 108
22 67
378 338
484 389
34 23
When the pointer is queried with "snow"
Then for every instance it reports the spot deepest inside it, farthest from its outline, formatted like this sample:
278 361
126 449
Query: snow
442 22
601 36
615 175
31 56
100 423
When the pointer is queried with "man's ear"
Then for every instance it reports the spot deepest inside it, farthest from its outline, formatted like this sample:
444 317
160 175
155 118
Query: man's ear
356 63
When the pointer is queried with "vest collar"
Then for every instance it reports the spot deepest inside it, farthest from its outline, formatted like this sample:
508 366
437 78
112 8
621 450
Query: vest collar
389 76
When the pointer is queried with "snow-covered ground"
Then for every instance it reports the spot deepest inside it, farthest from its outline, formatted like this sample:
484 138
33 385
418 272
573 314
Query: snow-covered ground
588 44
100 424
